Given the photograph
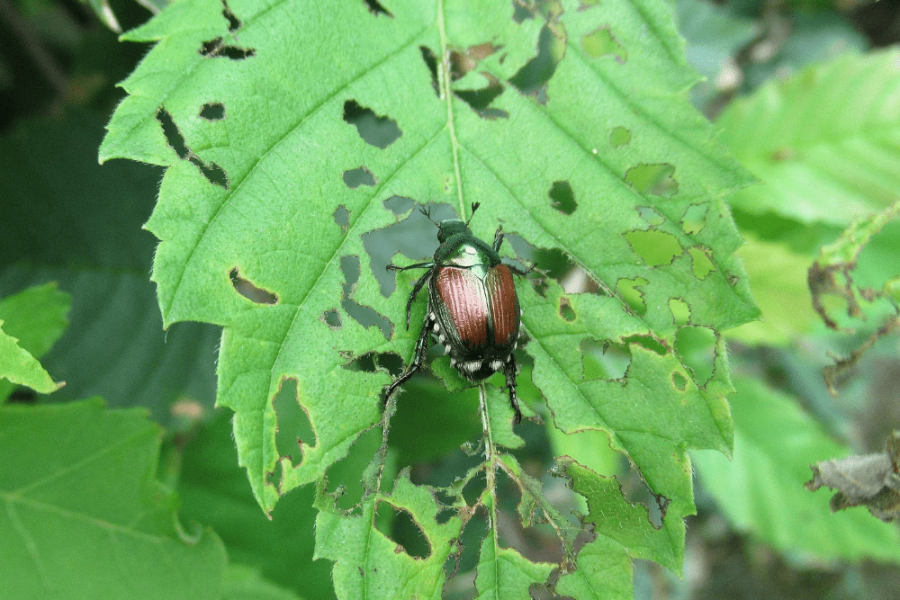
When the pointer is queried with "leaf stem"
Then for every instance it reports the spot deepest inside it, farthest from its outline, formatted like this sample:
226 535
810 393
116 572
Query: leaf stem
447 95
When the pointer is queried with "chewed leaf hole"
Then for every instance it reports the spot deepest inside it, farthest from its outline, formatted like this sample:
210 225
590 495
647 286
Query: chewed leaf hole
480 100
681 311
679 381
562 196
359 176
364 315
212 111
398 526
649 342
565 309
342 217
377 9
701 263
233 22
654 179
249 291
532 78
399 205
602 42
380 132
604 360
619 136
696 347
629 291
218 48
431 62
372 362
655 247
211 171
332 318
694 218
294 429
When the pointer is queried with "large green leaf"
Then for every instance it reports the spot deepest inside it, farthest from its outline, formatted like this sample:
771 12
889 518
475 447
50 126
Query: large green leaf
762 491
825 142
68 220
83 516
264 116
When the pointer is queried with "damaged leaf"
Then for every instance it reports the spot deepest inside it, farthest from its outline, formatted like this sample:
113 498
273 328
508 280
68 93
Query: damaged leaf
872 481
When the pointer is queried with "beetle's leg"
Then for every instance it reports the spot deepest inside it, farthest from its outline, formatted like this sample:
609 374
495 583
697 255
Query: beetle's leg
418 359
519 271
509 369
421 265
412 296
498 239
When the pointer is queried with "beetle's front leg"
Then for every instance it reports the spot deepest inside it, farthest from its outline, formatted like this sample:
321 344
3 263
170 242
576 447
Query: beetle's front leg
509 370
418 358
498 239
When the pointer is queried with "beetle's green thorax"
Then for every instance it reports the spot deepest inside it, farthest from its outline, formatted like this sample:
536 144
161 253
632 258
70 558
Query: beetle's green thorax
466 251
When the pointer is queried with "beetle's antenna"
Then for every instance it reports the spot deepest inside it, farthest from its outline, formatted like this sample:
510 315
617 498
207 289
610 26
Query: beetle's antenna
427 212
475 206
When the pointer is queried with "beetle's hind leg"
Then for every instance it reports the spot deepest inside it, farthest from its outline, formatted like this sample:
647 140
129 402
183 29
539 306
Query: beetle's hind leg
418 359
509 370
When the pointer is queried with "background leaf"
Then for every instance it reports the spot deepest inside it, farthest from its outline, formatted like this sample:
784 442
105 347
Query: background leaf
762 491
84 517
70 221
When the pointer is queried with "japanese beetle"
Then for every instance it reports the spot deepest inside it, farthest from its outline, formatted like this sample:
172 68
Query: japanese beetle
473 308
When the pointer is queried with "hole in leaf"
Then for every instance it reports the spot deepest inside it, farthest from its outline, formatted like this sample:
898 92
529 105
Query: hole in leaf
211 171
480 100
681 311
345 477
619 136
694 218
649 342
377 9
655 179
380 132
627 289
563 198
679 381
604 360
249 291
373 362
233 22
602 42
399 205
212 111
701 263
474 488
217 47
414 237
332 318
521 12
696 347
532 78
565 309
655 247
342 217
399 526
294 430
364 315
431 62
651 216
357 177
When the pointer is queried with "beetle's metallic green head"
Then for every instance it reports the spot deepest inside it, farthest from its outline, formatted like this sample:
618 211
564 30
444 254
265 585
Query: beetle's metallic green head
452 227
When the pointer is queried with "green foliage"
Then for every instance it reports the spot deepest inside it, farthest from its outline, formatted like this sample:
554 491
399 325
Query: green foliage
31 321
69 221
761 490
83 516
255 197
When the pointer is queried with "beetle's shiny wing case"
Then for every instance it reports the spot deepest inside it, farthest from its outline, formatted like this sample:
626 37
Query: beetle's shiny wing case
504 305
465 299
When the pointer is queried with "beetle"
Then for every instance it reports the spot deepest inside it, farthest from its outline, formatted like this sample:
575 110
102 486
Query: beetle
473 308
